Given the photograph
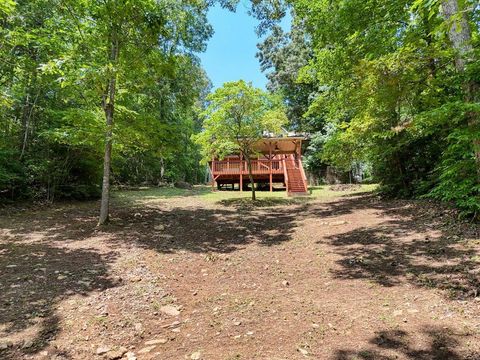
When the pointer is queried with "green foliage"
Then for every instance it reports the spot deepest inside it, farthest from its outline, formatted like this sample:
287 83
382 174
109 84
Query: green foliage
282 56
387 92
457 173
6 6
12 173
54 67
236 118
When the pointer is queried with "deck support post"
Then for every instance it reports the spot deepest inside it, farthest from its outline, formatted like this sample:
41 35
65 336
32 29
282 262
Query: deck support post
270 164
213 173
241 172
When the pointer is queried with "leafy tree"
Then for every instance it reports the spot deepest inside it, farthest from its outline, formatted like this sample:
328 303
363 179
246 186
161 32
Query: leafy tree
397 81
282 56
33 101
236 118
456 15
6 6
59 84
135 30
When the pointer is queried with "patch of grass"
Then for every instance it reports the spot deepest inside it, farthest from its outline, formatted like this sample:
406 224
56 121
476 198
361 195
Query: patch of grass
218 196
156 305
366 354
99 320
389 320
324 192
317 192
148 193
233 198
239 200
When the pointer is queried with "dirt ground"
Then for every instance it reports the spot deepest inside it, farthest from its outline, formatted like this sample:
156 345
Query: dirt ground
187 277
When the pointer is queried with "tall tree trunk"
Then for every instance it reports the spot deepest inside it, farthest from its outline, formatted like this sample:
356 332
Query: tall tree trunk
461 37
30 101
108 104
458 32
250 176
25 124
162 169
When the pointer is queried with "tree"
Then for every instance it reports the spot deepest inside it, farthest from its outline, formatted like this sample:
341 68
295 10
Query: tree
236 118
396 85
457 17
282 56
56 67
136 30
34 36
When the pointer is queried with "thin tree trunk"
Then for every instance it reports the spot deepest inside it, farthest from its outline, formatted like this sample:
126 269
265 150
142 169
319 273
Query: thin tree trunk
29 105
250 176
105 204
108 107
27 122
461 38
162 169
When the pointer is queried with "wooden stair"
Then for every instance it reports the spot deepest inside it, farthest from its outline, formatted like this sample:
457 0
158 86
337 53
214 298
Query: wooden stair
296 183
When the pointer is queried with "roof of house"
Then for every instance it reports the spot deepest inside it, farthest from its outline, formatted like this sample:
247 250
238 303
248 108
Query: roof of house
285 134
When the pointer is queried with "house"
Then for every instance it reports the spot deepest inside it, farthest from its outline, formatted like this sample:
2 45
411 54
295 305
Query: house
279 161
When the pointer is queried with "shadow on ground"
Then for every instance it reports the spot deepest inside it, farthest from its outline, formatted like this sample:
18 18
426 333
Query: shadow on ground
45 261
34 278
412 244
415 244
395 344
244 203
202 230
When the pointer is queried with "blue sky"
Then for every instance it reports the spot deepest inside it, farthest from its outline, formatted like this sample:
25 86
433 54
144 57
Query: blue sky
231 51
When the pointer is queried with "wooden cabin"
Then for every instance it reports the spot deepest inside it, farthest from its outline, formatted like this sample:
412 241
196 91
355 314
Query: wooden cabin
279 163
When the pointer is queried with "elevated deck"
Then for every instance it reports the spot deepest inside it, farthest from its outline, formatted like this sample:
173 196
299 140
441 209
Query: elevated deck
286 170
237 167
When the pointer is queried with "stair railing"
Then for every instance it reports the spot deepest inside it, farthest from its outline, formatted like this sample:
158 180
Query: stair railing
304 177
285 172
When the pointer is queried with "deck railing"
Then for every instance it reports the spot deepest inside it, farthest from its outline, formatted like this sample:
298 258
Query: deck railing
240 167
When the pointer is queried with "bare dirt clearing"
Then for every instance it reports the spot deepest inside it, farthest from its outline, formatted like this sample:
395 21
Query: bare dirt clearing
191 276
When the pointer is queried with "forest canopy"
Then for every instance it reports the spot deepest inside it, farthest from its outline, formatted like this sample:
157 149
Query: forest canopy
63 65
391 85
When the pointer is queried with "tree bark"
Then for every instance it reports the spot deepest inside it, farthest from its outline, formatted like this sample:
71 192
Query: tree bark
25 124
250 176
458 32
29 105
108 104
162 169
461 38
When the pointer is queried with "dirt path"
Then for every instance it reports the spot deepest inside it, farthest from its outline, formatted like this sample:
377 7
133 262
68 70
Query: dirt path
184 278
